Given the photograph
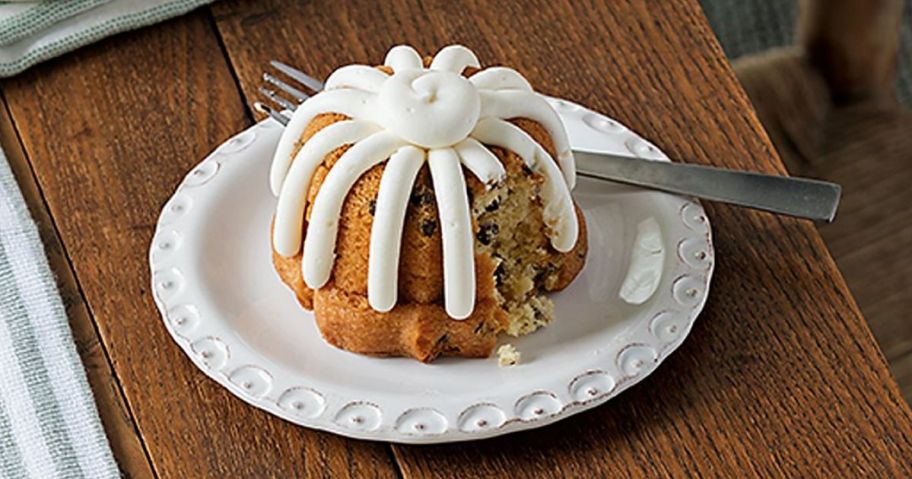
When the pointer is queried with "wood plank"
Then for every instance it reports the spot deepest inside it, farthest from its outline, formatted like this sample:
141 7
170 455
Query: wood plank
865 147
119 426
780 376
110 130
867 150
902 369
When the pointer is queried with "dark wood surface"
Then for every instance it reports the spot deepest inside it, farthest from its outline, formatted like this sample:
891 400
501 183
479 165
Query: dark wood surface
780 376
125 440
829 105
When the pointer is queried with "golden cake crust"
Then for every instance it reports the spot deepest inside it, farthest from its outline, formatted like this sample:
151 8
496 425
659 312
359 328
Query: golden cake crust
423 331
418 325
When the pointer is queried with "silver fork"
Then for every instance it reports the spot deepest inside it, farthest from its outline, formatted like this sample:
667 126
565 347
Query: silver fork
296 94
799 197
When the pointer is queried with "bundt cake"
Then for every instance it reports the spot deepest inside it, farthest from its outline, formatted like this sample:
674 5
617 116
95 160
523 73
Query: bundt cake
424 206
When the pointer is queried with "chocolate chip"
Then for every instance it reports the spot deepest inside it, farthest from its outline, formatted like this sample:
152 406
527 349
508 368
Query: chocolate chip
487 232
526 169
428 227
544 271
499 274
493 206
372 207
422 198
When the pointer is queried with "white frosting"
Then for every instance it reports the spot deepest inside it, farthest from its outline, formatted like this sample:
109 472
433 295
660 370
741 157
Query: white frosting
320 244
293 198
455 232
353 103
523 104
500 78
480 161
454 58
430 109
559 213
409 117
359 77
386 234
646 261
403 57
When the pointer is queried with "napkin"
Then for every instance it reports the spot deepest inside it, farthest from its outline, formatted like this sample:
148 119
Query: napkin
31 32
19 20
48 423
49 426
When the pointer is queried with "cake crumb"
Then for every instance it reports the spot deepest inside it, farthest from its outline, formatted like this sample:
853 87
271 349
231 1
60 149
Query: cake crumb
530 316
507 356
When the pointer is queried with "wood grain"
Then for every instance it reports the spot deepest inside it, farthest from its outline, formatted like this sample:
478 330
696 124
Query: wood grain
119 426
867 151
865 147
780 377
109 131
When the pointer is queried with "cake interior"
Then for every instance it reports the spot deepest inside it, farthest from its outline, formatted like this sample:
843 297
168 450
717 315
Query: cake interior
510 227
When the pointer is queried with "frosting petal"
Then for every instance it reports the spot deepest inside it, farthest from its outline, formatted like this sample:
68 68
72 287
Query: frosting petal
320 242
559 214
455 231
386 232
403 57
359 77
352 103
454 58
289 218
508 104
500 78
480 161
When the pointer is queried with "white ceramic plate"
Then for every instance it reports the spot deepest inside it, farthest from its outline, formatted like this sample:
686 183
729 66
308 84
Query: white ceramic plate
645 281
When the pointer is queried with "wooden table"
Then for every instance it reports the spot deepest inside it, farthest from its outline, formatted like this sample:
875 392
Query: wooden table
780 376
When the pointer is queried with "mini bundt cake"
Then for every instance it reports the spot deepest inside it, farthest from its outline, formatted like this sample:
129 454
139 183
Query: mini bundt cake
424 206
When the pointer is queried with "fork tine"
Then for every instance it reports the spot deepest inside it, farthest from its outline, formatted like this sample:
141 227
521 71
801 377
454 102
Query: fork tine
278 99
262 107
298 75
297 94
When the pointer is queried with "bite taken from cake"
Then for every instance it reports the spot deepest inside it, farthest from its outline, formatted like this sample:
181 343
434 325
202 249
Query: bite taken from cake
424 206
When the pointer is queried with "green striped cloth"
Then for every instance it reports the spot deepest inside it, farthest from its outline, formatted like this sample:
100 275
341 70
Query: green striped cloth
44 29
49 426
48 423
20 20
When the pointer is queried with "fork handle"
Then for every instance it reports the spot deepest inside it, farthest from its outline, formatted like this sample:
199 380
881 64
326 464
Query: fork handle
799 197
